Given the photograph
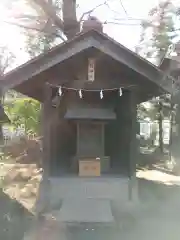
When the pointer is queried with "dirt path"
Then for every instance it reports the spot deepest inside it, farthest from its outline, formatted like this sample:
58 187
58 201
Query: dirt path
156 216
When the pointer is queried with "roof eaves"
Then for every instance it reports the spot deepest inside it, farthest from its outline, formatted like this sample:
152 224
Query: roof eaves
137 63
40 64
84 41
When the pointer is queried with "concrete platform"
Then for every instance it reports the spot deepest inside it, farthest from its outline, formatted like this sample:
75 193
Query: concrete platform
63 189
85 211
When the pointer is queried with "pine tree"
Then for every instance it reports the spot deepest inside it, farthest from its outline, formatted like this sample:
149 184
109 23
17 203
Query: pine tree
158 32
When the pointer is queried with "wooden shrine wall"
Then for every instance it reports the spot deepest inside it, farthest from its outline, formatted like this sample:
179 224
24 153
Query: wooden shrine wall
120 136
123 134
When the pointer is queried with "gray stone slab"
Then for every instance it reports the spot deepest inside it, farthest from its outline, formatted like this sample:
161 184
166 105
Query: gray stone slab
95 188
85 211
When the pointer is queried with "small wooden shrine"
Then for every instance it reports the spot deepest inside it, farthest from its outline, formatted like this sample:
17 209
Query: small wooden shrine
89 88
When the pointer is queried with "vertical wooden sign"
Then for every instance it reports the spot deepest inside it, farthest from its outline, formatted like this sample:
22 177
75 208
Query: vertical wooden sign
91 69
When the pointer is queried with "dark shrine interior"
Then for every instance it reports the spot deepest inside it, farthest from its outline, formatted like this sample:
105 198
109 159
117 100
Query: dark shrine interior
91 138
62 162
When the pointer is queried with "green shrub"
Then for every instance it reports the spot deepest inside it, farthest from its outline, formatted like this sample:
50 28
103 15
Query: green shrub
24 112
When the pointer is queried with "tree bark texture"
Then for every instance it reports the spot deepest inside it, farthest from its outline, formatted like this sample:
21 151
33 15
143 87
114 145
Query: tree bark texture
69 24
160 120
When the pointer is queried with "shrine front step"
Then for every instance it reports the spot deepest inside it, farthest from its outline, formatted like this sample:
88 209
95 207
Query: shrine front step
85 212
63 189
97 188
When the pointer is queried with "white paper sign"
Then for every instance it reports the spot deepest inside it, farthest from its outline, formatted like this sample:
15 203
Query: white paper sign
91 69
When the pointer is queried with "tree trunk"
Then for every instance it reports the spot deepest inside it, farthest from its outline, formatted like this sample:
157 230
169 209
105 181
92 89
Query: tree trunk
71 25
178 119
1 135
176 136
1 130
160 121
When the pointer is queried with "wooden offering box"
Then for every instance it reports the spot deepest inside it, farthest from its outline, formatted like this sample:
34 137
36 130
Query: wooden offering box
89 168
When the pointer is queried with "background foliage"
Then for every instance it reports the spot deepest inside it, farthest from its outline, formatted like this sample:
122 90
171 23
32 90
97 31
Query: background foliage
25 112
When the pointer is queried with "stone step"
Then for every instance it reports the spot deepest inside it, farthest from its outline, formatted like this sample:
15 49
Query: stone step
97 211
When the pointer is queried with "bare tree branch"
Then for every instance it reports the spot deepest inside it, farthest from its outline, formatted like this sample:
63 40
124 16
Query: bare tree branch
43 23
5 66
27 16
118 23
122 5
6 59
50 12
35 29
92 10
69 25
128 19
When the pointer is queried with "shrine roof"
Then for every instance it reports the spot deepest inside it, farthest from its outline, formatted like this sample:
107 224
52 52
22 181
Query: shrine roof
30 75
